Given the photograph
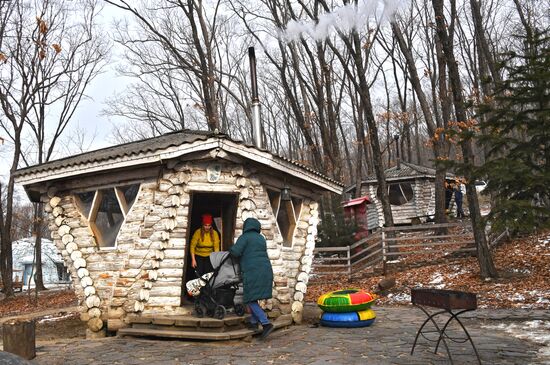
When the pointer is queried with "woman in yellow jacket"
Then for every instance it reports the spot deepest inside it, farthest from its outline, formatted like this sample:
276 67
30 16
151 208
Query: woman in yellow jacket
205 240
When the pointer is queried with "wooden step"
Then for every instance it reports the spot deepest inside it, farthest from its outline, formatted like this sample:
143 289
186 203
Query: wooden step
151 330
197 335
189 321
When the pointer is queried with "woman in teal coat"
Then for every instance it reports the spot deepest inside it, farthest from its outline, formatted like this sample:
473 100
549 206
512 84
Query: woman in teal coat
256 272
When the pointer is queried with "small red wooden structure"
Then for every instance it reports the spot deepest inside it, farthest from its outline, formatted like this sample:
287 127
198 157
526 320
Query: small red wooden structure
355 210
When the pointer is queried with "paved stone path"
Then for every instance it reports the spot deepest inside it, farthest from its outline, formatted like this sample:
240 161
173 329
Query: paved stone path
387 341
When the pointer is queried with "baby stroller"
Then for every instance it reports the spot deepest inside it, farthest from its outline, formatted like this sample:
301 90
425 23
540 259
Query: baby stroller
217 291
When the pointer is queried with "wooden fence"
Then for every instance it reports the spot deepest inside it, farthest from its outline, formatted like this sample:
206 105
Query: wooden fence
394 246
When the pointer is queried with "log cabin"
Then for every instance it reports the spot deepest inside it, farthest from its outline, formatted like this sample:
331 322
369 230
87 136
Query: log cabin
411 191
122 218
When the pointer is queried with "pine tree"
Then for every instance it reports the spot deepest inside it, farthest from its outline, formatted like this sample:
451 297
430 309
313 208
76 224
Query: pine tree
516 132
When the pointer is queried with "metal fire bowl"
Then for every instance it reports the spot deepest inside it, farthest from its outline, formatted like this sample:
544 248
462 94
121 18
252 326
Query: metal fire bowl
444 299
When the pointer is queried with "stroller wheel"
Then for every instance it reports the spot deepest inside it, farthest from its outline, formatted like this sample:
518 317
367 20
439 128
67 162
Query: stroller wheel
239 310
198 309
219 312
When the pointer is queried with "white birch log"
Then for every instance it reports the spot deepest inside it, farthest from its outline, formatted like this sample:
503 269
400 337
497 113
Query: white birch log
170 224
241 182
76 255
301 287
48 208
82 272
306 268
159 255
86 281
78 263
64 229
95 324
169 273
306 260
303 277
184 177
155 264
89 290
93 301
171 212
54 202
94 312
165 236
171 201
164 185
148 284
144 295
166 291
153 275
67 238
237 170
248 204
138 306
299 296
164 245
297 306
150 221
57 211
59 220
245 194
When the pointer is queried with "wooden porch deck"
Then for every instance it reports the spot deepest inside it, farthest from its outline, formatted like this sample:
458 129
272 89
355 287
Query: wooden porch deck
190 327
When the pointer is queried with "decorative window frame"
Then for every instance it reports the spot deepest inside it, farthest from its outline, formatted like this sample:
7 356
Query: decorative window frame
400 186
292 212
95 206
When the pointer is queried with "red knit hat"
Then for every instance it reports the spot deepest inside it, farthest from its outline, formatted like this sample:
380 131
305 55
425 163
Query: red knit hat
206 219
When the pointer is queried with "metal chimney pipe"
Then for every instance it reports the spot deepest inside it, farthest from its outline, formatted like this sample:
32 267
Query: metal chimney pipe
255 105
397 150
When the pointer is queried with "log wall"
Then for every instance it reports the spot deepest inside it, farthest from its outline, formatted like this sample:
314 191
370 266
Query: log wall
143 272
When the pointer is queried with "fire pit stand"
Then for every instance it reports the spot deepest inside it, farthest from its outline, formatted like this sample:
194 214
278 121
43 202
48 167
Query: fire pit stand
453 303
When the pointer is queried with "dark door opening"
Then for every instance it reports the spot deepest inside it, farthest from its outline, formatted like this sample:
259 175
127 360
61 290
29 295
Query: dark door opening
223 208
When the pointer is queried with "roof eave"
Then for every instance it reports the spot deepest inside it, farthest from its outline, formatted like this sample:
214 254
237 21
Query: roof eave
158 156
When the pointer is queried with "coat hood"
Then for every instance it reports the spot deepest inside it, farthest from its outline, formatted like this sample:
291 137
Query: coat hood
252 224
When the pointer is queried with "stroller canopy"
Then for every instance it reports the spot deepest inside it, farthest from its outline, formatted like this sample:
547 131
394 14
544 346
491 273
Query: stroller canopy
227 268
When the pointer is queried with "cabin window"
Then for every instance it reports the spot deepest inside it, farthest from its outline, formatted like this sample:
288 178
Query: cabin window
400 193
106 210
287 213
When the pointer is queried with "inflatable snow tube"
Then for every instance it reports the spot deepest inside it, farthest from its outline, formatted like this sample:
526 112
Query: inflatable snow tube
349 319
347 300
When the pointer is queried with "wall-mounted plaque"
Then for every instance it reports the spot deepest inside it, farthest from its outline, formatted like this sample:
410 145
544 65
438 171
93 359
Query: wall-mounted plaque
213 172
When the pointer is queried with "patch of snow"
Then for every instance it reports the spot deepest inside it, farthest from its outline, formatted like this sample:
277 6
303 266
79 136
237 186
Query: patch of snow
536 331
399 297
393 261
54 318
517 297
438 280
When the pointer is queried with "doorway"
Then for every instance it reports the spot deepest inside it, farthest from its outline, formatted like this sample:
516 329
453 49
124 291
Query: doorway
223 208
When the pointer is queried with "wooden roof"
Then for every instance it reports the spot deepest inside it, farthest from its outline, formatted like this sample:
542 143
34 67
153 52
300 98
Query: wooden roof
162 148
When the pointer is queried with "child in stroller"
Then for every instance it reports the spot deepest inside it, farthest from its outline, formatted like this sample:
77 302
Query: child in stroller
214 293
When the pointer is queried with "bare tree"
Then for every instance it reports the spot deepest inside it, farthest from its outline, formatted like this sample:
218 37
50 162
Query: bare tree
485 260
176 38
51 59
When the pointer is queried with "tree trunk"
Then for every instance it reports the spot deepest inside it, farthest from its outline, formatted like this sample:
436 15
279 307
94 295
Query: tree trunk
486 265
38 278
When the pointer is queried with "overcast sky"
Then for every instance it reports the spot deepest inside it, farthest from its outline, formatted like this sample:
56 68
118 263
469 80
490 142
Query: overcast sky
88 116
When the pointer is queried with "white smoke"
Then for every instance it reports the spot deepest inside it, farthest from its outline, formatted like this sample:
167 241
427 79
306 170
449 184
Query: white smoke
343 19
